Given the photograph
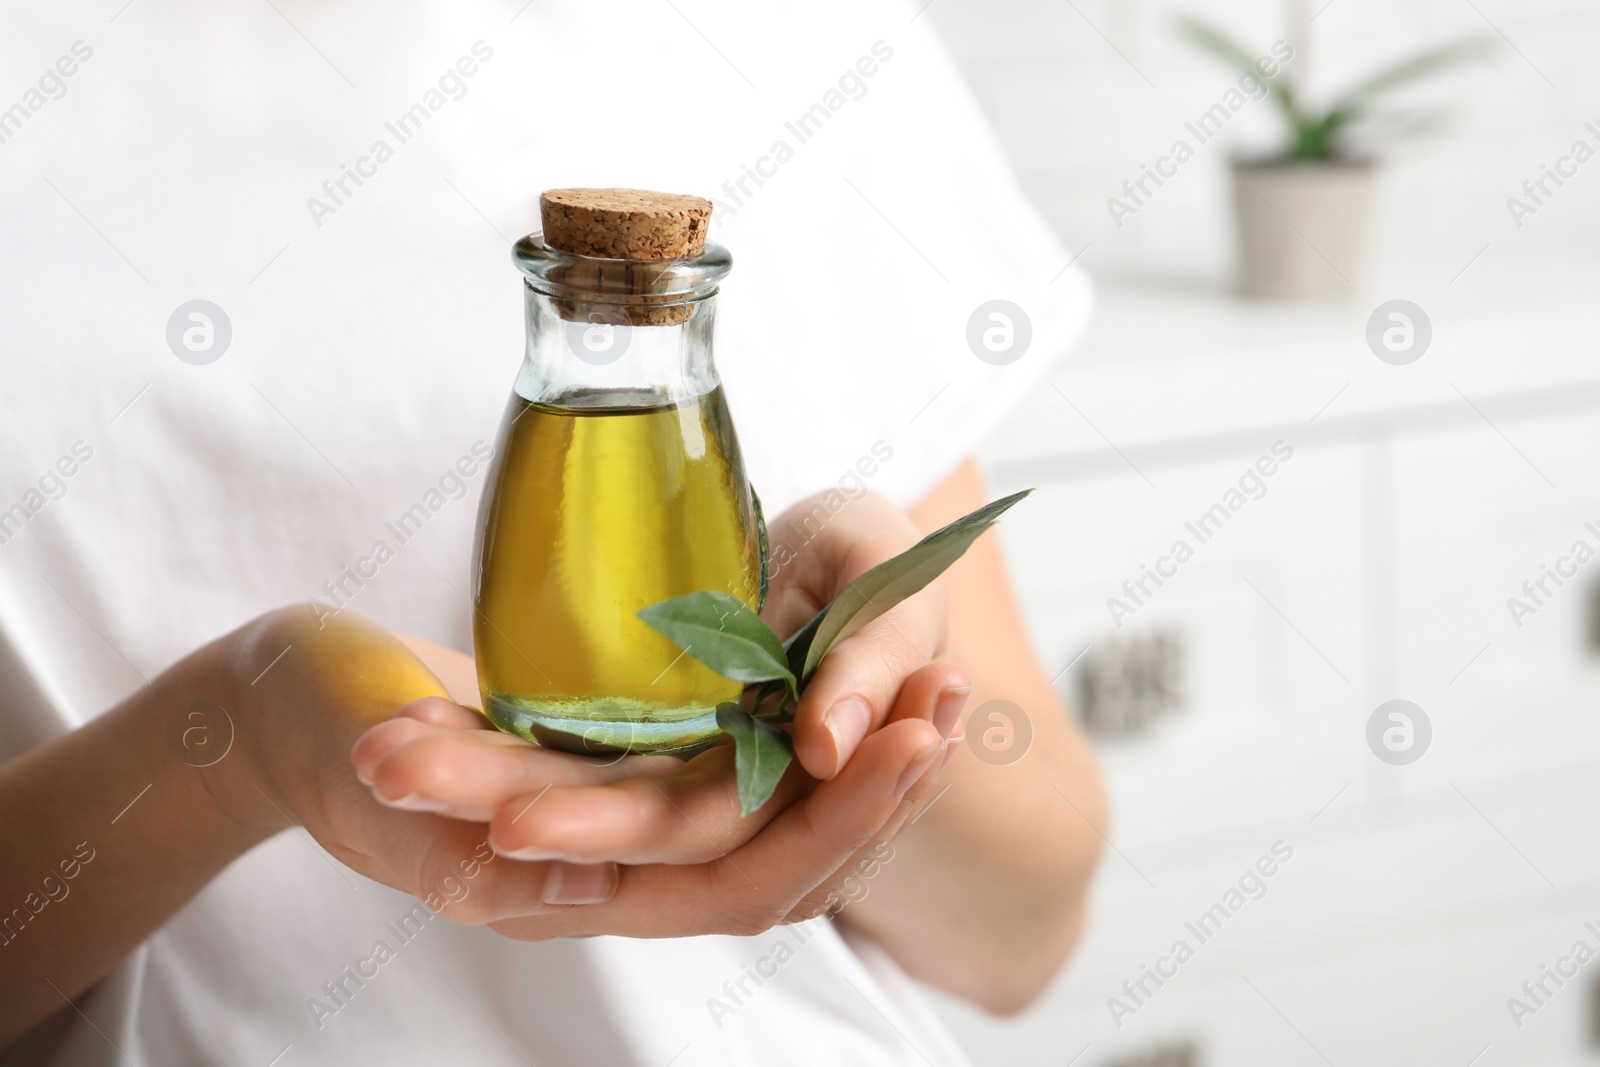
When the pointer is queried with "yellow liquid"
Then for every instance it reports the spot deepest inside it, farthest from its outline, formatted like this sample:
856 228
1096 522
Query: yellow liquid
594 510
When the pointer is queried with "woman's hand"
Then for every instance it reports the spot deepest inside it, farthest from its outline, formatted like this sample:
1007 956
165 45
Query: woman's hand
661 852
569 820
256 732
817 551
330 679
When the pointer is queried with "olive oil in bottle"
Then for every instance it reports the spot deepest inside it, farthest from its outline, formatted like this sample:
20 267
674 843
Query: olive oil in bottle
602 506
617 482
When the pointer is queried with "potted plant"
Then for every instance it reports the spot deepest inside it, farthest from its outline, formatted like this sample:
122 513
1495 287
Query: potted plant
1301 212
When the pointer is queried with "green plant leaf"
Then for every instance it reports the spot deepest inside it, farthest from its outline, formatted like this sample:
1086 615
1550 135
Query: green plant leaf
887 584
1319 135
761 753
1238 56
783 709
723 633
1328 140
765 548
1354 99
1375 127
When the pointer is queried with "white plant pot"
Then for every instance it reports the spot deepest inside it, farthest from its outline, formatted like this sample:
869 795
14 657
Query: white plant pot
1302 227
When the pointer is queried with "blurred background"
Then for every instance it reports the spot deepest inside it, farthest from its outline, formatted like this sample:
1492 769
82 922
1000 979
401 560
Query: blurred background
1442 859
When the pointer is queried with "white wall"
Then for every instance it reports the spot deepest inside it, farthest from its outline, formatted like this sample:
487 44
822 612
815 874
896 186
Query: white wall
1078 119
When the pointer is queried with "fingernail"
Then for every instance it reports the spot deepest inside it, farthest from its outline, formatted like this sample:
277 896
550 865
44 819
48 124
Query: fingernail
532 852
848 721
414 802
918 768
947 709
580 883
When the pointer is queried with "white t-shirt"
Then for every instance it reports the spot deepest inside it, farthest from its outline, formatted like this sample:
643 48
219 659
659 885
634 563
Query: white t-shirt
170 152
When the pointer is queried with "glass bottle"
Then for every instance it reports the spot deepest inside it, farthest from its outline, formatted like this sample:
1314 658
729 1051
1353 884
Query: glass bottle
616 483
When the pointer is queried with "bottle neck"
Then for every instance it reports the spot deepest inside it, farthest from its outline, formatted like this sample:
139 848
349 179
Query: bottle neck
575 358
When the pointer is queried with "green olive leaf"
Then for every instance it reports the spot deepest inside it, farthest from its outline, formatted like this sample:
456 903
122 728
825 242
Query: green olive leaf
761 753
723 633
887 584
768 690
765 548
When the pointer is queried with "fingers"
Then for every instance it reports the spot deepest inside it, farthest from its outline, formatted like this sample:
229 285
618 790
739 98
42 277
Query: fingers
580 883
742 890
689 816
460 877
844 886
936 693
814 560
448 864
855 688
645 846
873 676
378 742
470 773
759 884
446 714
386 738
408 724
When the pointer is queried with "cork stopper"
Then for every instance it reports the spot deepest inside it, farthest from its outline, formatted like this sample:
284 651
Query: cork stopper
631 241
631 224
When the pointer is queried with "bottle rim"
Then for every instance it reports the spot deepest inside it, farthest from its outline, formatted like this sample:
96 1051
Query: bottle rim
663 282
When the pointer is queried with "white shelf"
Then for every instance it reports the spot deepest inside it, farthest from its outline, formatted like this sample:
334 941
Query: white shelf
1376 565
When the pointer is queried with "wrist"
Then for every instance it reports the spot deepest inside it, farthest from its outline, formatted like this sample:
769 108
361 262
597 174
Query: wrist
218 725
200 764
301 687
